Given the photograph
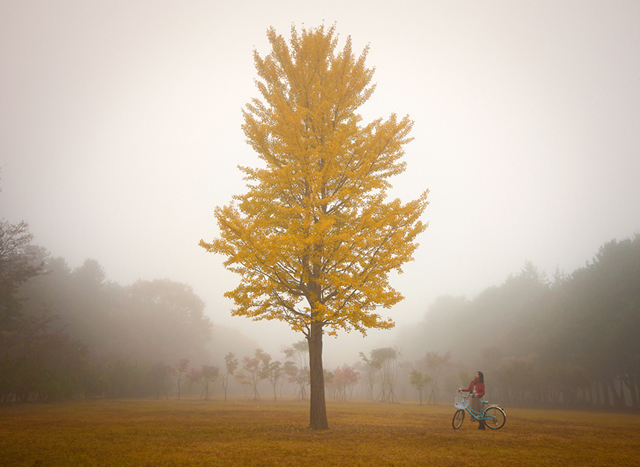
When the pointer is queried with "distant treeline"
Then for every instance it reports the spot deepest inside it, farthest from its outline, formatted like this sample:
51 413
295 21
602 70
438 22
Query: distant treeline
570 341
70 333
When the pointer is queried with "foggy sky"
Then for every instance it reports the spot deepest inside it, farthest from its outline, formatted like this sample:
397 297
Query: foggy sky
120 133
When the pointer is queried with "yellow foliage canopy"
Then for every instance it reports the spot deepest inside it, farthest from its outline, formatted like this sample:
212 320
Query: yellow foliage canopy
314 238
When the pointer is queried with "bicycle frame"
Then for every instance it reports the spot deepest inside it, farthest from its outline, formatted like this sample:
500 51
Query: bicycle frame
478 415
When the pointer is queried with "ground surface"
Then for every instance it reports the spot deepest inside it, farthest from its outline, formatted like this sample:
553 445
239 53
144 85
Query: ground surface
217 433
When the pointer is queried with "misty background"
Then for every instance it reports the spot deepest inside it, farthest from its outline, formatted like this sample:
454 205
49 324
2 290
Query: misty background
120 133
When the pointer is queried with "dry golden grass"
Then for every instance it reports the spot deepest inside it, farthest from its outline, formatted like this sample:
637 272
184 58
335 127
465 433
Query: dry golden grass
215 433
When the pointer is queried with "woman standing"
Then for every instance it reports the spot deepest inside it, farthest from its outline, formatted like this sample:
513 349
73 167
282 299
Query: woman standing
476 388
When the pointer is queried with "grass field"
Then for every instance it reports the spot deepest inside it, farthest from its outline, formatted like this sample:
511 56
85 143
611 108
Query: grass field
217 433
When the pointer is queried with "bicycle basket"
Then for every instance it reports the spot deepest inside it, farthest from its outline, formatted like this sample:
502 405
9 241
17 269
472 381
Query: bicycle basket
461 402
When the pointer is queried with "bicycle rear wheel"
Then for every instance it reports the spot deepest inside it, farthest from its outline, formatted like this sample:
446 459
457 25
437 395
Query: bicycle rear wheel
497 418
458 418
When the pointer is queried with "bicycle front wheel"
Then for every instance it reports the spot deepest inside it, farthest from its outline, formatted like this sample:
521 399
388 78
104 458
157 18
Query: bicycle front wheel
496 418
458 418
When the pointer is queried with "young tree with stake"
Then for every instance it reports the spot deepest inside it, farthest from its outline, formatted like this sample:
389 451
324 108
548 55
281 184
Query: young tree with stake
314 238
231 363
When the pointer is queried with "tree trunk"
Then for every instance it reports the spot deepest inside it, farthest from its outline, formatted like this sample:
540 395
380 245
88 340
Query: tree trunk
630 383
318 410
623 399
605 393
612 386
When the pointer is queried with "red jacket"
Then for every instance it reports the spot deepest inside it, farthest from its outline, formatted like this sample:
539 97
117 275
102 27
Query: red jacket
479 388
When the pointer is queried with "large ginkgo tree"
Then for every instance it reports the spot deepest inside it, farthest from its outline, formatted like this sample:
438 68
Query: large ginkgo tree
314 238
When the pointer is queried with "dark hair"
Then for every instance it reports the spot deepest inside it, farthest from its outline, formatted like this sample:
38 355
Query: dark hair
481 375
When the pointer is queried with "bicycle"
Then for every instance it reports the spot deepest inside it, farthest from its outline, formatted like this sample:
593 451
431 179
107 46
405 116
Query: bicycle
493 416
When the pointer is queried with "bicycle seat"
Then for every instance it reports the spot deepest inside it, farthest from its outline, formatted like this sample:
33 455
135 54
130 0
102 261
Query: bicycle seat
485 402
